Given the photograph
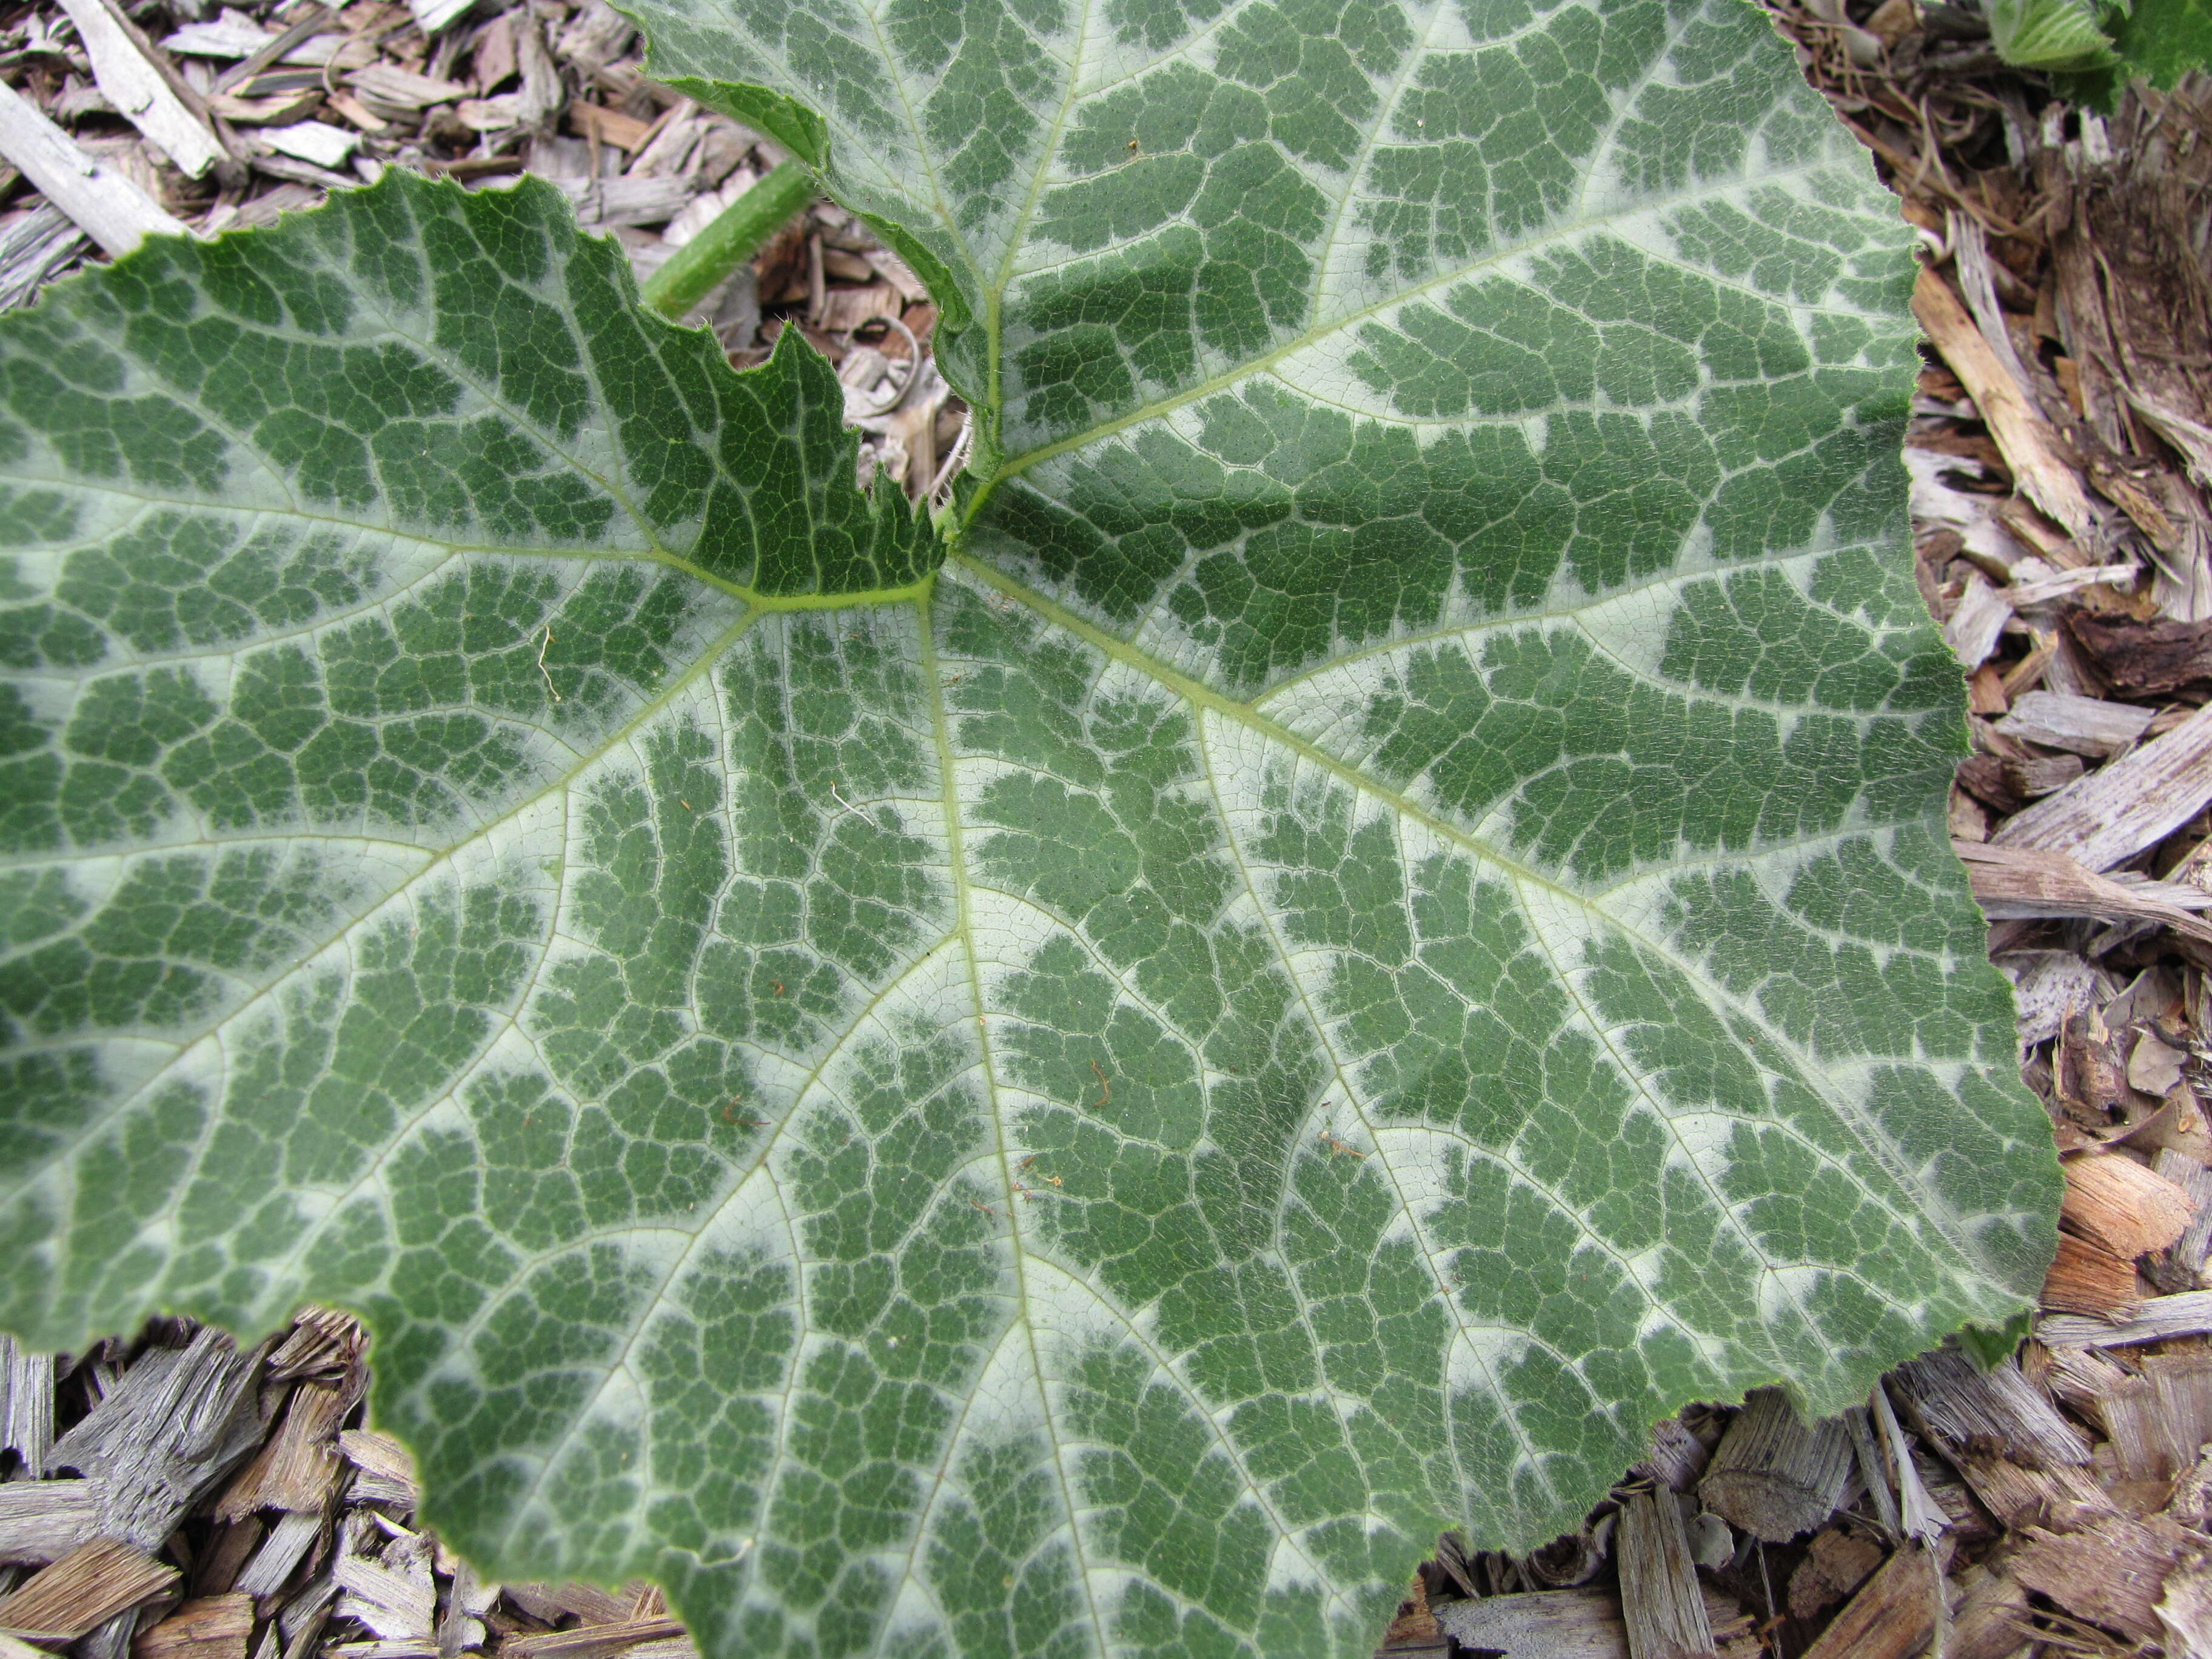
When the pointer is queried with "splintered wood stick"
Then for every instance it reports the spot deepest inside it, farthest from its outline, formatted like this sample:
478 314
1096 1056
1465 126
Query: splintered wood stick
1659 1599
2026 881
207 1627
1960 1405
104 203
2029 444
2125 805
132 81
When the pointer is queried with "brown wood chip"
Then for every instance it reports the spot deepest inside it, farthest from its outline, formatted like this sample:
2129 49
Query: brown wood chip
2112 1572
1894 1615
1772 1474
2144 659
2061 1497
1987 1624
100 196
84 1589
215 1572
210 1627
388 1471
1677 1457
624 131
2124 806
2161 1420
321 1339
2086 1278
2038 775
2127 1208
298 1464
844 308
1835 1564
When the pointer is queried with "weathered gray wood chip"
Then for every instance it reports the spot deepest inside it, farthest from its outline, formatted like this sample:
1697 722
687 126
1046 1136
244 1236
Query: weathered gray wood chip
2121 808
42 1521
174 1425
1964 1408
1568 1624
2087 726
1772 1474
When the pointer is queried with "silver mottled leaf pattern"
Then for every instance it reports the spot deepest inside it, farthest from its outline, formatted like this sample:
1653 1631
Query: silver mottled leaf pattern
1382 920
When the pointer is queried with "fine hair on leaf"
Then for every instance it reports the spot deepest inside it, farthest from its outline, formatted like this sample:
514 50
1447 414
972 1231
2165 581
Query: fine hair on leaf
1367 913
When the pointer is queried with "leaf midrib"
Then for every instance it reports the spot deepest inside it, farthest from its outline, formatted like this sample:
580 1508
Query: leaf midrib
1806 1069
1266 362
1198 694
752 597
948 784
1353 1103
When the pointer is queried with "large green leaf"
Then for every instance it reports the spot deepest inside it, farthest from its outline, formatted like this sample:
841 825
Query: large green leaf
2161 41
1382 921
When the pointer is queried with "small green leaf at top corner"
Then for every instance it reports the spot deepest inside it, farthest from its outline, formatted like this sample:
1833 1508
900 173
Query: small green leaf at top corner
1990 1347
971 485
945 524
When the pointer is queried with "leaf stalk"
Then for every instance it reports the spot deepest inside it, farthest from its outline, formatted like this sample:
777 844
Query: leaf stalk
730 238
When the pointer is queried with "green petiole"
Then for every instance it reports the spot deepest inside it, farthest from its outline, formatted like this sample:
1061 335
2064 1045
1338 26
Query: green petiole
702 263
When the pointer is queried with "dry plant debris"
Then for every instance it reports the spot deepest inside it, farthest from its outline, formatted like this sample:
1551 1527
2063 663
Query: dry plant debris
172 1498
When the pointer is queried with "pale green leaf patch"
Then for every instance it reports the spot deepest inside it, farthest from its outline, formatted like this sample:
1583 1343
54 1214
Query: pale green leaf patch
1379 919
